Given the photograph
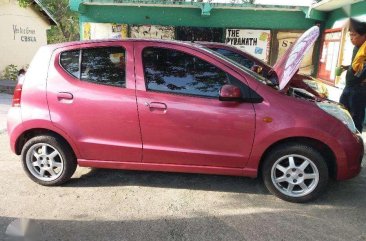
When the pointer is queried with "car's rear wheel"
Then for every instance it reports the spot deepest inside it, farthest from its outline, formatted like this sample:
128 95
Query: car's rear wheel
48 160
295 172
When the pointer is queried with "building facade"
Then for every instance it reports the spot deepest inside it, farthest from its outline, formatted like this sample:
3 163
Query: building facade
23 31
336 47
264 31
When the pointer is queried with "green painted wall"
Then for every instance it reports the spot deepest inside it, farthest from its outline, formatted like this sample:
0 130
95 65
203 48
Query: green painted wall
223 18
357 9
74 4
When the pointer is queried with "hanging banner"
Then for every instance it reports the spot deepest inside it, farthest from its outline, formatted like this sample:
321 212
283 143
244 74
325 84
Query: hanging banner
104 31
152 31
284 41
253 41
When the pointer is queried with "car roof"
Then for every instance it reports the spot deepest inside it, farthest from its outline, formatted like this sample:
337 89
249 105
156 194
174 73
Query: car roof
67 44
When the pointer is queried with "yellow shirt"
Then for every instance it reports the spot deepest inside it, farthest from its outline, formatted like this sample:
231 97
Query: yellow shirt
359 60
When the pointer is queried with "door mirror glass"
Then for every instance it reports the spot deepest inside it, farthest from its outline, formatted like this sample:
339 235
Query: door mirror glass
230 93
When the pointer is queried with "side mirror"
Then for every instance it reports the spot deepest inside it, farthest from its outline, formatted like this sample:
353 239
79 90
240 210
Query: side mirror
230 93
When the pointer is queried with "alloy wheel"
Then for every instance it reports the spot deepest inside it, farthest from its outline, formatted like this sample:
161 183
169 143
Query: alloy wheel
44 162
295 175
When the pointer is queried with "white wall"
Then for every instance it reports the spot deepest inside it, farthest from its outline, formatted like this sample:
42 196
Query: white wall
22 32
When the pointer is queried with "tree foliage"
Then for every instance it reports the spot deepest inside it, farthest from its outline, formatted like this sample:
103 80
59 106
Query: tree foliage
10 72
24 3
67 28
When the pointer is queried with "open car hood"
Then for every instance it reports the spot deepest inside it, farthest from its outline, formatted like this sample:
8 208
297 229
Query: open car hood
289 63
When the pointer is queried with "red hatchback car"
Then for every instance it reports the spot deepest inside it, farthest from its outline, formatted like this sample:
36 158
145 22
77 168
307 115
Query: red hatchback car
172 106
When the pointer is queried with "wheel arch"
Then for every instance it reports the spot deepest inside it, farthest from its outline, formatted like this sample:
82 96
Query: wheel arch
28 134
324 150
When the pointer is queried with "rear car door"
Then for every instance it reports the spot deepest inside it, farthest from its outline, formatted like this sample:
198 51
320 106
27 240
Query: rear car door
91 97
182 120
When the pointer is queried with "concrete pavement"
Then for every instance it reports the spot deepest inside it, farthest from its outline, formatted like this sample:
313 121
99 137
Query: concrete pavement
117 205
5 102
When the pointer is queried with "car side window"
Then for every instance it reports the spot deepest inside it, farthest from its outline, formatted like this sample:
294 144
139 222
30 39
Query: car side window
69 60
235 57
106 66
173 71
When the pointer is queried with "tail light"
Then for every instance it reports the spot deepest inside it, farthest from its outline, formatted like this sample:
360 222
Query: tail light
17 95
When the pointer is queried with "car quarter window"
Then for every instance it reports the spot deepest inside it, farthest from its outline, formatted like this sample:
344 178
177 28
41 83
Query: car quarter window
235 57
103 65
173 71
69 60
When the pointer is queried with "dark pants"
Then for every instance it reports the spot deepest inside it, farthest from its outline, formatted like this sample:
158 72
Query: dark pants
354 99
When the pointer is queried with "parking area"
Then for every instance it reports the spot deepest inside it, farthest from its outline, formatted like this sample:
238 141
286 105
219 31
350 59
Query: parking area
130 205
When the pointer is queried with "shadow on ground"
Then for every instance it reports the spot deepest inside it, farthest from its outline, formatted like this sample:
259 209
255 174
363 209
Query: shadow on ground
109 177
344 193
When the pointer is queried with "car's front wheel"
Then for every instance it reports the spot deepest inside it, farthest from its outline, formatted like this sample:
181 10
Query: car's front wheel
295 172
48 160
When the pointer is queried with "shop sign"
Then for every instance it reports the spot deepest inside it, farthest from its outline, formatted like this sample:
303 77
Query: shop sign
152 31
25 34
255 42
333 36
284 41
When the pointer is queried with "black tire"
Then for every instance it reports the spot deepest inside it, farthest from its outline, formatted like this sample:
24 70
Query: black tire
288 190
65 157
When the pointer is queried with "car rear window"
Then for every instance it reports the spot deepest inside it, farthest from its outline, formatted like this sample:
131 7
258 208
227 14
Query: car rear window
105 65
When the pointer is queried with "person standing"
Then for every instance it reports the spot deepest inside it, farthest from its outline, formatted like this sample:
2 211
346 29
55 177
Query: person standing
21 75
354 94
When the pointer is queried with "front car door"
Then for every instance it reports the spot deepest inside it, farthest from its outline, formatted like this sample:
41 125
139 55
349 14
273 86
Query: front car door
182 120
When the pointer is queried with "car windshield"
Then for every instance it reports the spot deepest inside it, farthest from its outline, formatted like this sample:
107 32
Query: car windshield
250 72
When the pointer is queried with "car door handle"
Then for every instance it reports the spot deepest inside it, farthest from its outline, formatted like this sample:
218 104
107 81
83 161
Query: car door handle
156 106
64 96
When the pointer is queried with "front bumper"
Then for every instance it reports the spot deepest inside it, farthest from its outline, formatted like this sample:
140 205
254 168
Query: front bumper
350 165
